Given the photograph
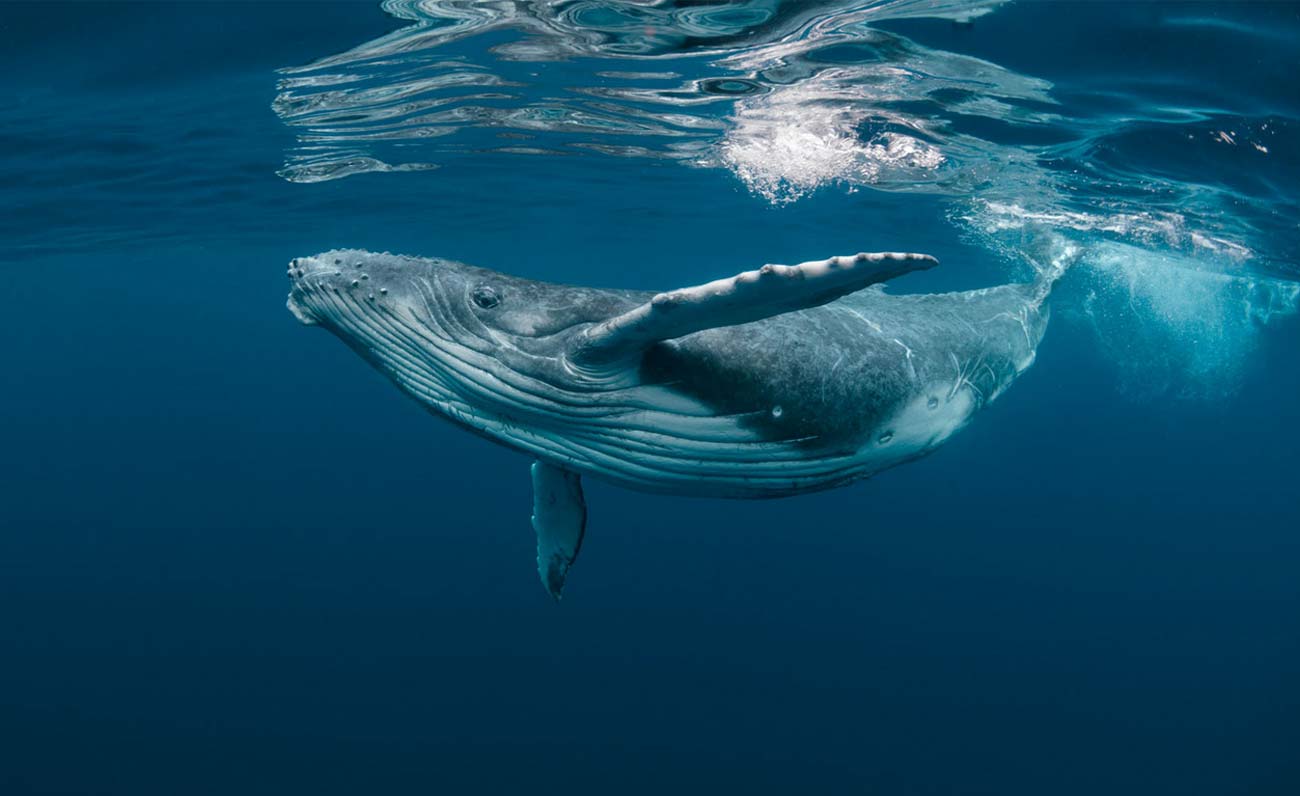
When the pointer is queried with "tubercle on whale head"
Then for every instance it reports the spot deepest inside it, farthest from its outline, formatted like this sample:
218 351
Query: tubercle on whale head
340 287
320 282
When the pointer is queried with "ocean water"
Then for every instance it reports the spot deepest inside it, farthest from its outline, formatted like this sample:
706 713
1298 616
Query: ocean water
234 559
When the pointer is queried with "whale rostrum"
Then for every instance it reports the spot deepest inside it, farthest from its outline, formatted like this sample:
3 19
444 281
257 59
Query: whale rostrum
776 381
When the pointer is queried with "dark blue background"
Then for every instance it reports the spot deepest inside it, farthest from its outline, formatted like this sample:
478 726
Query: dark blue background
233 559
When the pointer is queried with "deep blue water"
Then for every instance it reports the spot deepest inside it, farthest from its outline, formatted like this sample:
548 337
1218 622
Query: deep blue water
234 559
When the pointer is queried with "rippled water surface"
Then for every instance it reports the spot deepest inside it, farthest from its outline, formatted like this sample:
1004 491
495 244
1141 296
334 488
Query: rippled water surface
233 559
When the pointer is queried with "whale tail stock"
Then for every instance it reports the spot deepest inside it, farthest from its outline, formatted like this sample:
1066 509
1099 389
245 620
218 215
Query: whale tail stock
1050 256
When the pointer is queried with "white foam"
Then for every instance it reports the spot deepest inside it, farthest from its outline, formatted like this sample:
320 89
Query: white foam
1154 227
1174 327
793 141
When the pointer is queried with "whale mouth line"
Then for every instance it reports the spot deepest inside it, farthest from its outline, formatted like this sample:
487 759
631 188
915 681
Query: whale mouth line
303 314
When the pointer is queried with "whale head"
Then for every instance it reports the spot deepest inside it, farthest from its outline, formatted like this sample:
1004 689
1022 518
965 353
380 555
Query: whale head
479 299
460 338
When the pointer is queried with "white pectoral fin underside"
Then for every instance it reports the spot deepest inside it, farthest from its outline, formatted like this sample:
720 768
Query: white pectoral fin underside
745 297
559 518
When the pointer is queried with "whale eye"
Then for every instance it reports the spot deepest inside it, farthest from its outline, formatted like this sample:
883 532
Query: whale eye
485 297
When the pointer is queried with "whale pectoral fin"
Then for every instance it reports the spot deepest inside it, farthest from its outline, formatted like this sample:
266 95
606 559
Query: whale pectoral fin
749 296
559 518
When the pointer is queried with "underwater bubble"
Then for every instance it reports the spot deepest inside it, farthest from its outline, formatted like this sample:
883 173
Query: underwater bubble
1176 326
732 87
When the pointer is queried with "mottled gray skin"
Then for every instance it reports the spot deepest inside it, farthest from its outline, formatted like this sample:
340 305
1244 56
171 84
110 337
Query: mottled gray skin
801 401
837 379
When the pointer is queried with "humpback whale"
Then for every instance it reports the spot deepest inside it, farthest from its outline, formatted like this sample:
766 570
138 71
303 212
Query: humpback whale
777 381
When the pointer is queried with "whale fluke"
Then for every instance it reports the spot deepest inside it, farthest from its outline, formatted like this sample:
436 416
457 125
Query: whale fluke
559 518
745 297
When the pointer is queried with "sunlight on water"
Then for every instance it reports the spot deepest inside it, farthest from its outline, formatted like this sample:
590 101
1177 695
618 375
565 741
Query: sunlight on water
1180 214
467 75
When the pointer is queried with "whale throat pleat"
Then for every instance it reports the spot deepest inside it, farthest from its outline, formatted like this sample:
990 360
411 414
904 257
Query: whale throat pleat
743 298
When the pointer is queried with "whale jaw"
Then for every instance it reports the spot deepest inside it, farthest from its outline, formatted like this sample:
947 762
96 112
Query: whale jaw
303 314
297 269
